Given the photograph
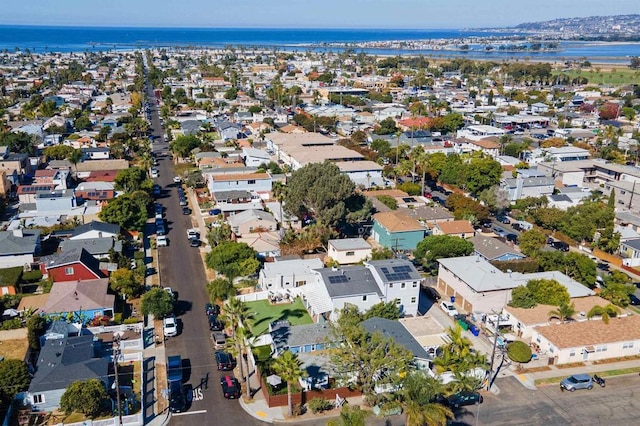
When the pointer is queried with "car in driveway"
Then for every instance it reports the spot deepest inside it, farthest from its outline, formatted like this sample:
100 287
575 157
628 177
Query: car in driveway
577 381
449 308
503 219
512 238
177 400
170 327
224 361
230 387
461 399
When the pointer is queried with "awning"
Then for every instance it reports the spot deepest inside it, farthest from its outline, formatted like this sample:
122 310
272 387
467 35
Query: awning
589 349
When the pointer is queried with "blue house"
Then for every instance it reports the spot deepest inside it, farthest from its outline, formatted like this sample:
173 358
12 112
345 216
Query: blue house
494 249
300 338
80 301
397 230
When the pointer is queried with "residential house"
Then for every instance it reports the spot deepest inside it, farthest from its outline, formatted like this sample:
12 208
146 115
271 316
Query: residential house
630 252
585 341
524 321
266 244
399 334
76 264
286 220
364 173
18 247
397 230
27 193
255 182
98 153
399 281
14 164
252 220
349 250
528 183
233 202
95 191
255 157
60 363
493 249
58 200
427 331
284 274
100 248
488 146
300 338
95 229
429 216
227 130
477 286
454 228
60 178
82 300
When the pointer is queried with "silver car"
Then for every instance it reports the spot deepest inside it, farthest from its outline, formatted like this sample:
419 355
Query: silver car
577 381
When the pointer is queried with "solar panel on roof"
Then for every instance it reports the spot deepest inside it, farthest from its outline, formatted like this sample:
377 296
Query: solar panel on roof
403 268
337 279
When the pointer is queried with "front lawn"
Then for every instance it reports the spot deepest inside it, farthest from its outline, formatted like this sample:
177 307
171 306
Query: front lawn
265 313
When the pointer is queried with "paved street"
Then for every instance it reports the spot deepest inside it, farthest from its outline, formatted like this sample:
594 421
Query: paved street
181 268
617 404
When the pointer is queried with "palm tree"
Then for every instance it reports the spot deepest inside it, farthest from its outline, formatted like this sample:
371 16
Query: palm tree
605 312
289 368
419 393
239 344
564 313
239 319
74 158
278 190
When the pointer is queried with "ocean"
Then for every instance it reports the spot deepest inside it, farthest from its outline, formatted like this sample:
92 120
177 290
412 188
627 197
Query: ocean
78 39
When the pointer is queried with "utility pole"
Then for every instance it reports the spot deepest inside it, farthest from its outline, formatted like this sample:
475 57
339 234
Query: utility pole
116 355
633 190
493 351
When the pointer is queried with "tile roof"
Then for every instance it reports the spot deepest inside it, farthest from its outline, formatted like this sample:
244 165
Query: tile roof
240 176
396 221
595 332
73 256
455 227
492 248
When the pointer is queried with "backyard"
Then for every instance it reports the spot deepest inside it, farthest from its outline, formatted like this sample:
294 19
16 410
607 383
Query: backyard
265 313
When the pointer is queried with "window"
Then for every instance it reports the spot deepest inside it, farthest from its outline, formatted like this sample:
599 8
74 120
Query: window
415 284
403 285
251 182
300 283
572 352
38 399
627 345
364 298
351 253
390 285
68 271
413 299
601 348
398 302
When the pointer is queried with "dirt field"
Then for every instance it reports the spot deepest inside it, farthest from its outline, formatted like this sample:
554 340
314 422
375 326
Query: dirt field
14 348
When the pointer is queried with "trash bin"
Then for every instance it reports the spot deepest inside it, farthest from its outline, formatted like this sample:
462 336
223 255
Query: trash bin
464 325
453 299
475 330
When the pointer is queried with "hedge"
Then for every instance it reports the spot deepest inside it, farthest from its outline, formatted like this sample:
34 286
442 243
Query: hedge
10 276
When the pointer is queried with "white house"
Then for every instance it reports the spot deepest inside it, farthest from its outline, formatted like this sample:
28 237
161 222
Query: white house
283 274
95 229
349 250
365 173
254 157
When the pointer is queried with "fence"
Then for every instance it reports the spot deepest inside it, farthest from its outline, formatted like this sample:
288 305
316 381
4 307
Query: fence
133 420
113 328
252 297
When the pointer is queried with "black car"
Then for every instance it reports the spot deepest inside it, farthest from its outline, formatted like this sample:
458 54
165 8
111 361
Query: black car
461 399
230 387
186 211
157 208
560 245
503 219
224 361
603 266
194 242
211 309
177 400
513 238
214 323
432 293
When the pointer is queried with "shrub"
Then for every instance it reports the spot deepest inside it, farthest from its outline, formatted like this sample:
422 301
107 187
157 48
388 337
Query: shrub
10 276
519 351
139 255
32 276
117 318
11 324
318 405
388 201
131 321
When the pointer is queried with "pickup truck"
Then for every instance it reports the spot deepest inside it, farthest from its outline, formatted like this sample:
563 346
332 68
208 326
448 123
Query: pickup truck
174 369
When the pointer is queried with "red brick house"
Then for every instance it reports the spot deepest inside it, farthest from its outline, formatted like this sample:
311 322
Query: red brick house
73 265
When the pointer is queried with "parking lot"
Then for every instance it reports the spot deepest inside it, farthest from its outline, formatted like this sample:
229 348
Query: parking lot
617 404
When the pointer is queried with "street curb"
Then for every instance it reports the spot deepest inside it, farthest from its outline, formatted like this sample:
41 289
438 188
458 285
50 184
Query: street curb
246 408
525 381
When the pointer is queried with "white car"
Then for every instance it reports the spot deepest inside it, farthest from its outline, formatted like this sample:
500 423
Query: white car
162 241
177 179
192 233
449 308
170 291
169 327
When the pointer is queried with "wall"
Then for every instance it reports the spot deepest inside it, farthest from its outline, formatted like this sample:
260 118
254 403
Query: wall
342 258
18 260
466 298
563 356
80 272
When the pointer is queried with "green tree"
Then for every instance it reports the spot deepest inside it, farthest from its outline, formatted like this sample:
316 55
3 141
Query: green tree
88 397
419 395
133 179
564 312
36 326
617 293
323 191
220 289
386 127
381 146
219 234
74 158
14 378
519 352
123 281
548 292
381 253
482 173
83 123
130 211
184 144
233 259
435 247
580 268
521 297
604 312
464 207
157 302
289 368
389 310
532 241
57 152
350 415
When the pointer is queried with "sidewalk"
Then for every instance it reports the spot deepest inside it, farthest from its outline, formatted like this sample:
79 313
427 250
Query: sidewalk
528 379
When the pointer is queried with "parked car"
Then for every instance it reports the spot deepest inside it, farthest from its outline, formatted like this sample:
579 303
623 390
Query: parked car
214 212
211 309
577 381
192 233
560 245
171 292
186 211
219 339
432 293
177 400
177 179
461 399
161 241
224 361
513 238
230 387
449 308
183 202
170 327
214 323
503 219
194 242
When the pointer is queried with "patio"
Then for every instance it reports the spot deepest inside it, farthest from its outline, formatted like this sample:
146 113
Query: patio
265 313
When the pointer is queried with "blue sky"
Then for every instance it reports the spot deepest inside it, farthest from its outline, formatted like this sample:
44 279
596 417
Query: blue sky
415 14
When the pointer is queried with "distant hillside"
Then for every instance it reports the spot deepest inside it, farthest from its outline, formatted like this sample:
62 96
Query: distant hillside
622 25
